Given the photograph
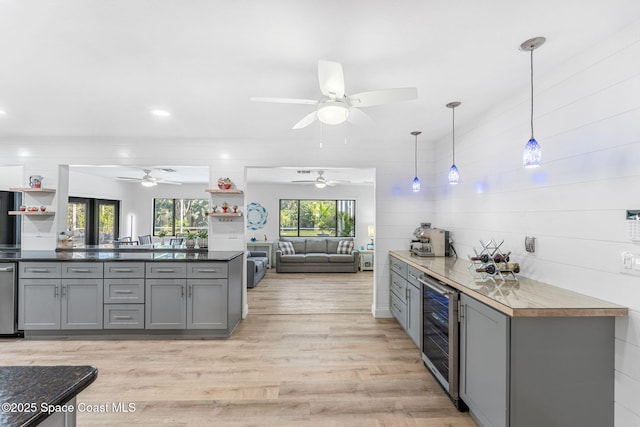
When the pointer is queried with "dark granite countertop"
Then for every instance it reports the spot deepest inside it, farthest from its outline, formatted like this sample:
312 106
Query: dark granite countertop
24 390
156 255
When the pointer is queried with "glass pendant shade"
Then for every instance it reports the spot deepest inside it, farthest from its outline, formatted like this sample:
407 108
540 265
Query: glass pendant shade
416 185
454 175
532 155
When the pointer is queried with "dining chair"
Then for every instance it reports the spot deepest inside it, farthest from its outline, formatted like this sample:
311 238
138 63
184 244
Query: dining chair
176 241
145 239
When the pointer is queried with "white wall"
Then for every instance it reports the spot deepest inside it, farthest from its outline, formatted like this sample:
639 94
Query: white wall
268 195
587 122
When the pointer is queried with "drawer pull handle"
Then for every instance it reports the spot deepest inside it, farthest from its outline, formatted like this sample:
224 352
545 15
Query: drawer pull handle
123 291
209 270
122 270
122 318
6 269
38 270
165 270
80 270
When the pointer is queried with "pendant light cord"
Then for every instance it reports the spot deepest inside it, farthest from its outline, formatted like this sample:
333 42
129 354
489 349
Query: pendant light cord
532 94
415 156
453 140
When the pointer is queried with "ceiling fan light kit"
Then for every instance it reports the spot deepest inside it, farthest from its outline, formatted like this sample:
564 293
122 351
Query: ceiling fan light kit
333 112
532 155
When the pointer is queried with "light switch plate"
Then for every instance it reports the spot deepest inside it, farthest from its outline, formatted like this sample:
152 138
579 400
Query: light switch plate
630 263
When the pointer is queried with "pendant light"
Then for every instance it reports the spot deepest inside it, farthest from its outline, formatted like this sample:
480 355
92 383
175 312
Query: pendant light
416 182
454 174
532 155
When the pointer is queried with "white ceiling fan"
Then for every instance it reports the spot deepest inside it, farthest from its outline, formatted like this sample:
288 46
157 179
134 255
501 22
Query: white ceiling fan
335 107
320 181
147 180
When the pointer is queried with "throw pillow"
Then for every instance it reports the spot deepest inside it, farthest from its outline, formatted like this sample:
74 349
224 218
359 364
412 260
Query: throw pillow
286 248
345 246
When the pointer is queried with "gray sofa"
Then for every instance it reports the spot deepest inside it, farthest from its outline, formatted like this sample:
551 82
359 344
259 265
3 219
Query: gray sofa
256 267
316 255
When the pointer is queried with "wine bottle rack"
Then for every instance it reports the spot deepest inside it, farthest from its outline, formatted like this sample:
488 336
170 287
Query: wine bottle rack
490 263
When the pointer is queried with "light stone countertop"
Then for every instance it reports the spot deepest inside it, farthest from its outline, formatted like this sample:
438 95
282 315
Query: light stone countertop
522 298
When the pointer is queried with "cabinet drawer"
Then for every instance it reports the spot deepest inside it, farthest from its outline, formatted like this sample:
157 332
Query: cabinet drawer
123 291
124 316
82 270
398 266
124 269
399 287
206 270
412 276
166 270
399 310
39 270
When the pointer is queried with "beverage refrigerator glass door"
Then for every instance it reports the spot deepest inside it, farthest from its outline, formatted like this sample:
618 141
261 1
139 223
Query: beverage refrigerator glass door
440 333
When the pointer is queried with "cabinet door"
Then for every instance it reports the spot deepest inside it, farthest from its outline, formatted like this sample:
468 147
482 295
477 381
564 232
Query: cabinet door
165 304
82 304
484 362
414 313
207 304
39 304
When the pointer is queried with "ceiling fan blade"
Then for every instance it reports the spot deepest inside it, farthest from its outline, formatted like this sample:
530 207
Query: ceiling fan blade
127 178
306 120
304 181
385 96
359 117
286 100
331 79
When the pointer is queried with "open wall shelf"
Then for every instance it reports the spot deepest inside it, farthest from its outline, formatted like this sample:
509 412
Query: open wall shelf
34 190
219 191
33 213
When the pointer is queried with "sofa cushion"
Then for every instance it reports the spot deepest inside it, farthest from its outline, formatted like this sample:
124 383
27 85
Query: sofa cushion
340 258
317 257
332 246
316 246
286 248
299 243
345 247
297 258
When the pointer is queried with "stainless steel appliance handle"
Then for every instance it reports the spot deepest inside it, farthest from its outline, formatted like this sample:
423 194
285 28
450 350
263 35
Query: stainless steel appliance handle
122 270
436 287
6 269
80 270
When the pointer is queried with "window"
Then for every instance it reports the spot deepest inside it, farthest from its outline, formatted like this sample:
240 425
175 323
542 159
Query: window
93 221
317 218
180 216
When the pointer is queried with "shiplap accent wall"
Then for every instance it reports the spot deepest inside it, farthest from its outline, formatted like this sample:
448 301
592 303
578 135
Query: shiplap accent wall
588 123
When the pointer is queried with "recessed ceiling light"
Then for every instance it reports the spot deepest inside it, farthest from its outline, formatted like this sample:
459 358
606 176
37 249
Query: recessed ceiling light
161 113
3 113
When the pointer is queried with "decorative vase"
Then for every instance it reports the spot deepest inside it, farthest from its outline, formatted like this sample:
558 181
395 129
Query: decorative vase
203 242
190 243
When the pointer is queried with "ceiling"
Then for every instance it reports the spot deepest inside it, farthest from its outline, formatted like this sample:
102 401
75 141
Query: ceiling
95 68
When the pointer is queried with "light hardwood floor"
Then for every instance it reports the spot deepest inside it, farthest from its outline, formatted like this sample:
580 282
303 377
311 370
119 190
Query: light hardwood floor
308 354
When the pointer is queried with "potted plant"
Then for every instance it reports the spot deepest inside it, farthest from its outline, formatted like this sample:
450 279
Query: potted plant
203 239
190 240
162 234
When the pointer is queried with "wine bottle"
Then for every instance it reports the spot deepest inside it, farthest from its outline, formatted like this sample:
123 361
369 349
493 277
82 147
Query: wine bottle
485 258
513 267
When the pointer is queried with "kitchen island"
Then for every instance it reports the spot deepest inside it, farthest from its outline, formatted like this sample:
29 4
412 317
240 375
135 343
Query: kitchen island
33 395
124 293
530 353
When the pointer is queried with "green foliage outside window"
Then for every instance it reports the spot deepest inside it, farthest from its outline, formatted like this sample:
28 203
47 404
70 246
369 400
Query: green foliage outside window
177 217
317 218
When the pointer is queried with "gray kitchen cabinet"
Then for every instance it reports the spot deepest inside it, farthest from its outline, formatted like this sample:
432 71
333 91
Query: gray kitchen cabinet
165 304
207 303
39 304
483 362
81 304
54 296
405 298
535 371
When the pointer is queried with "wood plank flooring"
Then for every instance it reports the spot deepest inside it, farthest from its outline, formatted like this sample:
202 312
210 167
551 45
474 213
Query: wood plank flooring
308 354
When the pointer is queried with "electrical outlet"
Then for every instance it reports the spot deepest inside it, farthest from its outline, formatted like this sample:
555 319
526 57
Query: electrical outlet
530 244
630 263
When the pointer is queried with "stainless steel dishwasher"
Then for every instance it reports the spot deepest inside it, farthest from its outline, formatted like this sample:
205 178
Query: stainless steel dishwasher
8 299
